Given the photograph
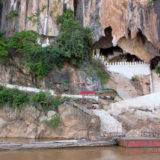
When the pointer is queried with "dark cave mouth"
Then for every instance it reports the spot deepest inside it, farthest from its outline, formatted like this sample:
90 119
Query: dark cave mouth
154 62
116 54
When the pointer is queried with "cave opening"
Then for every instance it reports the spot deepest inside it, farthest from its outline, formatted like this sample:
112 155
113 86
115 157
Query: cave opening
116 54
113 53
154 62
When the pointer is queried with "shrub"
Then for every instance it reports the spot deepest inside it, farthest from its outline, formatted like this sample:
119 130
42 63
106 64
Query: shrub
133 79
18 99
149 3
3 49
72 45
158 69
12 14
53 122
74 39
46 101
41 60
37 59
13 97
100 71
20 40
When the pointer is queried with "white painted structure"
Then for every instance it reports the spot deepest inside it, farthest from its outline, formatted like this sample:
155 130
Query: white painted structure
129 69
36 90
46 44
109 124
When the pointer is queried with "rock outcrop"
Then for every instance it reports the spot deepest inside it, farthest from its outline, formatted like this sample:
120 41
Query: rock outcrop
32 15
29 123
67 80
138 116
131 24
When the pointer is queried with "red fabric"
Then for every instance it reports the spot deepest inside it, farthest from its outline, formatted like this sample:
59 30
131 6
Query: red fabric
87 92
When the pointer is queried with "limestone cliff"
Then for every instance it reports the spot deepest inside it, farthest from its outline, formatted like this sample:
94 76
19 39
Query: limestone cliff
131 24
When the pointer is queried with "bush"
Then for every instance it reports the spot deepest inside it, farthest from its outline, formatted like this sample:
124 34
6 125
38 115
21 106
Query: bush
18 99
41 60
20 40
53 122
133 79
37 59
3 49
46 101
13 97
158 69
149 3
12 14
72 45
74 39
100 71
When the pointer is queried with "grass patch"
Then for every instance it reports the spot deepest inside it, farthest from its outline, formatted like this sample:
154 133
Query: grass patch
53 122
101 72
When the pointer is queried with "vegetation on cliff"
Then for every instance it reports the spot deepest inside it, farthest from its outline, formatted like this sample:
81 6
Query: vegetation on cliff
3 48
18 99
72 45
158 69
53 122
74 39
149 3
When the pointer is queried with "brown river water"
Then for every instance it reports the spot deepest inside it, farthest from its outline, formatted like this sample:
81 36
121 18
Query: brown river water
92 153
102 153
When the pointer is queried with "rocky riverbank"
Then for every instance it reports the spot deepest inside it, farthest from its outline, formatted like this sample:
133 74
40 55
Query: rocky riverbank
75 123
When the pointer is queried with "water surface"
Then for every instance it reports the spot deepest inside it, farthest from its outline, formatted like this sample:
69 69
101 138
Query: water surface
102 153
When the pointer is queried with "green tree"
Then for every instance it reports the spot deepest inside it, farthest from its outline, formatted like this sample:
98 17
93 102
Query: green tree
3 49
74 39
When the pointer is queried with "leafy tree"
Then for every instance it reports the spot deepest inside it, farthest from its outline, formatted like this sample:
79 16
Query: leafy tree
19 40
74 39
3 49
41 60
72 45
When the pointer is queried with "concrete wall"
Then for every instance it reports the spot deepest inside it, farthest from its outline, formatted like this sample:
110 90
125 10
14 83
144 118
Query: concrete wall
128 69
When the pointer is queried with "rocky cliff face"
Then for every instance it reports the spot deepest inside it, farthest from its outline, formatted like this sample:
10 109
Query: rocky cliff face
135 25
131 24
29 123
38 15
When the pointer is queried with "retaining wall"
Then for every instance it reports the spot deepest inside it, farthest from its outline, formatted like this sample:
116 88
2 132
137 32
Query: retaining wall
128 69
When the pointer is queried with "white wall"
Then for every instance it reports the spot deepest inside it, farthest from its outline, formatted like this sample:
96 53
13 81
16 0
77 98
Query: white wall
128 69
